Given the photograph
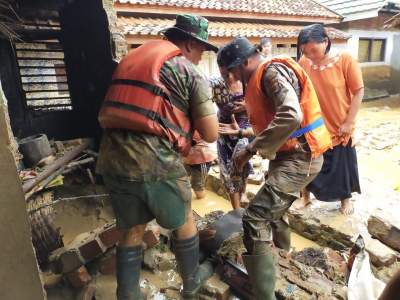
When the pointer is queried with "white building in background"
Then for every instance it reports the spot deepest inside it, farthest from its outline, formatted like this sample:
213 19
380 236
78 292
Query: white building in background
373 44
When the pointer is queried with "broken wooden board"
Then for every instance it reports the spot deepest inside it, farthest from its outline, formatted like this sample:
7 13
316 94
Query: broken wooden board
386 228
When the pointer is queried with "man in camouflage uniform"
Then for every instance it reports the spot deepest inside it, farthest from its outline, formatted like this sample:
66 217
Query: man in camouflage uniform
145 175
264 221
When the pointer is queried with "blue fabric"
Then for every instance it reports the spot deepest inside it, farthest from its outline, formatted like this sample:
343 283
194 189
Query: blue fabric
317 123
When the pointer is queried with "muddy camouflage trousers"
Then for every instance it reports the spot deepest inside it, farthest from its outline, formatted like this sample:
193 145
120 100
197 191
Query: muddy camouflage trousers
265 219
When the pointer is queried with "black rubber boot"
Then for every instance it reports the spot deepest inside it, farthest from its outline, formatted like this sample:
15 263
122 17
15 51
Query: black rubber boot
129 263
261 271
187 257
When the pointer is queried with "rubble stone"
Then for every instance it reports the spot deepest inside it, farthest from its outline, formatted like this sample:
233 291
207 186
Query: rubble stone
158 259
386 229
216 289
295 280
325 229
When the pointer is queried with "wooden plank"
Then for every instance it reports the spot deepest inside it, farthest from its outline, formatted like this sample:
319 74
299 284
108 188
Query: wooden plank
41 63
41 71
39 54
45 79
39 46
42 87
56 102
42 95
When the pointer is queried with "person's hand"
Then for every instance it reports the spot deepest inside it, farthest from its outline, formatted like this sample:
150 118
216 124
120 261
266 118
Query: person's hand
241 158
239 106
345 132
229 129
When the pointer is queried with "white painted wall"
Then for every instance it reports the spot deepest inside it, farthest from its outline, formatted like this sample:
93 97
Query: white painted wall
389 50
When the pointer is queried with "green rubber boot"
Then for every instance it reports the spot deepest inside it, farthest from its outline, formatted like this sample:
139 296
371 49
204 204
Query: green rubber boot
129 263
261 271
281 236
193 274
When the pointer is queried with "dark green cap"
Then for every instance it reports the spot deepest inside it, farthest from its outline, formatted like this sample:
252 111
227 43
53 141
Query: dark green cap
193 26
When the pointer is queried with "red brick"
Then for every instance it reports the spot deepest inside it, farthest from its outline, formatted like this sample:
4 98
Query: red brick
91 249
79 278
151 239
110 235
108 264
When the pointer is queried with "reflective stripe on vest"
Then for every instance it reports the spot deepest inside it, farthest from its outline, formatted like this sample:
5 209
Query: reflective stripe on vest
317 123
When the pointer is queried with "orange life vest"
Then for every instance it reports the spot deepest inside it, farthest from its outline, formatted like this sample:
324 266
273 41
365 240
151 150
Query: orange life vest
261 112
138 101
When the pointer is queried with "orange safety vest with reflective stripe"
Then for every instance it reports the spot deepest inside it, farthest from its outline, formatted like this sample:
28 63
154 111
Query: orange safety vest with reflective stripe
261 112
138 101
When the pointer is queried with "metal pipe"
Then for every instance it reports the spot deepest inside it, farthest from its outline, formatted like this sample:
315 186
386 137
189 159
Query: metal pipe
50 169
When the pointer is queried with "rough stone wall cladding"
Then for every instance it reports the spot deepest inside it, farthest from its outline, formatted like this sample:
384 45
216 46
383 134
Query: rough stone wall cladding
119 44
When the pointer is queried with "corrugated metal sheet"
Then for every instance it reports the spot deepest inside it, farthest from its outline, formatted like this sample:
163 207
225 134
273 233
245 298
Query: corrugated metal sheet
348 8
43 75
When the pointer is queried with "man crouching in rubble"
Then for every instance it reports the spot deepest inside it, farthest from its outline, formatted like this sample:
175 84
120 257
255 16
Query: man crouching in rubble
156 100
285 115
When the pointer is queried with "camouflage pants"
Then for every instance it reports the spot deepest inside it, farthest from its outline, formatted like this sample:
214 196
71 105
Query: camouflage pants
265 216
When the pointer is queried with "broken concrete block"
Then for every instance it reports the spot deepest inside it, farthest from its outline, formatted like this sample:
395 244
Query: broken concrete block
215 288
380 254
109 235
65 260
79 277
385 228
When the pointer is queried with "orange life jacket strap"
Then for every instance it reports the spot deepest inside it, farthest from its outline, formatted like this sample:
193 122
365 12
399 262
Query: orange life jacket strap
154 89
152 115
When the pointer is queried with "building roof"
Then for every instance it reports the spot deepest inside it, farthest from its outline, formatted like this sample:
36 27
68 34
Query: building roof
393 22
359 9
275 7
152 27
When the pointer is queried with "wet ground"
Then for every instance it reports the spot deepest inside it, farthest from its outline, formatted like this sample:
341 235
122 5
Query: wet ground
379 164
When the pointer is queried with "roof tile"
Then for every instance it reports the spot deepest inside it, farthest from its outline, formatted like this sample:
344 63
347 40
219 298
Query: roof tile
152 26
280 7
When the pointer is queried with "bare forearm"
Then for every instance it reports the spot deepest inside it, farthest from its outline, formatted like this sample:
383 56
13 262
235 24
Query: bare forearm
355 107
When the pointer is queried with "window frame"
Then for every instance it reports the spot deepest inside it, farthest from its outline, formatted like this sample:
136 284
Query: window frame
370 42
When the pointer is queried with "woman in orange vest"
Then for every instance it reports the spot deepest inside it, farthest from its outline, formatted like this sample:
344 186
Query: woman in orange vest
284 112
338 82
